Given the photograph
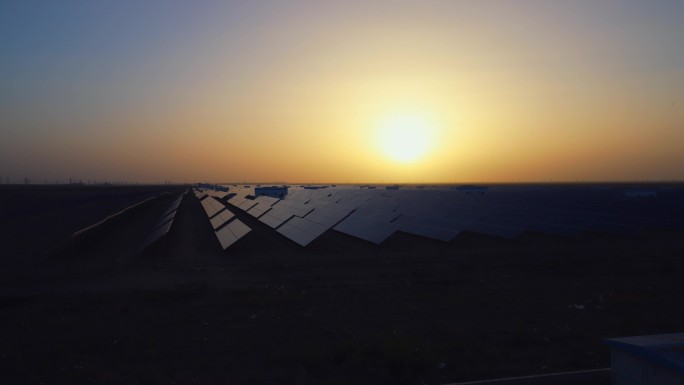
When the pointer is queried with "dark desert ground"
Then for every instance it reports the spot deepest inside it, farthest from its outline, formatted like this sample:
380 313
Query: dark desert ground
340 311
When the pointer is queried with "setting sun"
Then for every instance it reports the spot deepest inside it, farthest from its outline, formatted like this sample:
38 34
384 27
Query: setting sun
330 92
406 137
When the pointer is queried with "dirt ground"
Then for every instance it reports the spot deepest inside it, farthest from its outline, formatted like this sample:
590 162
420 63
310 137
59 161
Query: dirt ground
340 311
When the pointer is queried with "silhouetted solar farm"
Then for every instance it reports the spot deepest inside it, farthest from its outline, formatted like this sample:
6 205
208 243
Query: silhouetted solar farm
442 213
395 284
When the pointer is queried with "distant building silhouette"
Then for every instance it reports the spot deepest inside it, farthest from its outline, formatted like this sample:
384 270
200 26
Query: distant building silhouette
271 191
472 189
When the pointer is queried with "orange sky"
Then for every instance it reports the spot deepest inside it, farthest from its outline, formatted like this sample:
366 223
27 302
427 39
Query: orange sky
297 91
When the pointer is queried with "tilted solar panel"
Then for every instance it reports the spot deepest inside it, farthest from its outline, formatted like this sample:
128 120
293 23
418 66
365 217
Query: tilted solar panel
231 233
237 200
174 206
328 215
375 214
217 194
301 231
247 204
370 230
225 237
165 219
157 234
221 218
259 209
212 207
429 227
276 216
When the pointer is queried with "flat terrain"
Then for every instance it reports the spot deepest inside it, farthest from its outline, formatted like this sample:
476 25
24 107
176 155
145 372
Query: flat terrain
340 311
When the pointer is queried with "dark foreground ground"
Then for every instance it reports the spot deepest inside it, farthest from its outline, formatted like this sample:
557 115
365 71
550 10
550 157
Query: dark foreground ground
411 311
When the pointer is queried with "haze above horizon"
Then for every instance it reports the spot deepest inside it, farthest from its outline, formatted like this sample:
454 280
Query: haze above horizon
359 91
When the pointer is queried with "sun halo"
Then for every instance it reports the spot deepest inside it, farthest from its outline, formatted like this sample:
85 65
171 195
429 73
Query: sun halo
406 137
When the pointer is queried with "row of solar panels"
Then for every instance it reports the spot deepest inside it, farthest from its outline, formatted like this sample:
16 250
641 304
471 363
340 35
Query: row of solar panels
163 225
374 215
201 193
227 228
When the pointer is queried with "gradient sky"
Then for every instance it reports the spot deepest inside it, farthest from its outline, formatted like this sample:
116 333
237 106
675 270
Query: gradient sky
295 90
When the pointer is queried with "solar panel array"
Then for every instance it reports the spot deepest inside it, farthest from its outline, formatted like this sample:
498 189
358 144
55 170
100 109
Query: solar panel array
212 207
283 210
444 212
368 229
241 202
219 219
322 216
163 225
263 204
200 194
227 228
217 194
231 233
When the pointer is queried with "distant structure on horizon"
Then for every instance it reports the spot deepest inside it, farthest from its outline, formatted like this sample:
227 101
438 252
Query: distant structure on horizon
209 186
472 189
271 191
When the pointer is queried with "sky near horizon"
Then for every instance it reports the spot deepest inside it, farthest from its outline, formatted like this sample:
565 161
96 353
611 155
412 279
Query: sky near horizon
314 91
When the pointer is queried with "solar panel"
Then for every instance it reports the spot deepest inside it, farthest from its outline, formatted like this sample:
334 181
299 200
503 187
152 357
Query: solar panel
173 207
297 208
284 210
157 234
376 214
165 219
301 230
239 228
267 200
259 209
212 207
247 204
323 216
428 227
329 215
369 230
221 218
276 216
355 198
226 237
301 196
237 200
231 233
217 194
165 227
442 212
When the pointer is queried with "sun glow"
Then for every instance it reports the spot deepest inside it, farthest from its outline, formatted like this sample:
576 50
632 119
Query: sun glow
406 137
